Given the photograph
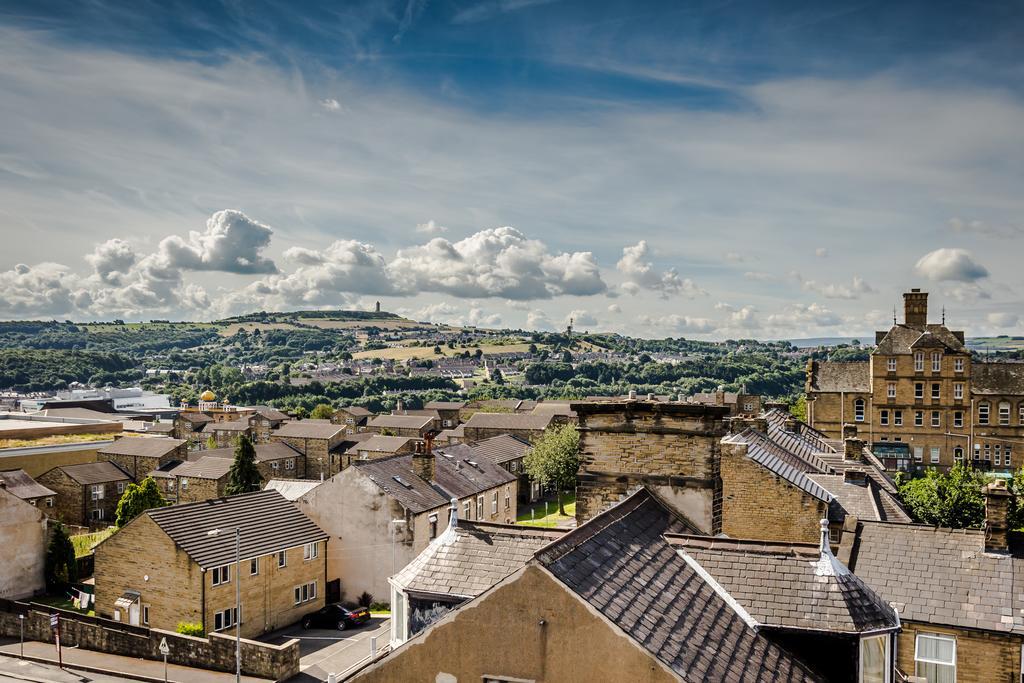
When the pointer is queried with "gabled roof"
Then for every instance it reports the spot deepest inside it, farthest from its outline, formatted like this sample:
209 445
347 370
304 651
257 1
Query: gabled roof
509 421
196 418
292 489
273 450
356 411
147 447
307 429
501 448
778 460
868 501
835 376
997 378
271 414
461 472
160 427
233 426
401 421
470 557
816 441
789 585
206 467
966 587
94 472
267 522
620 564
445 405
382 444
18 483
902 340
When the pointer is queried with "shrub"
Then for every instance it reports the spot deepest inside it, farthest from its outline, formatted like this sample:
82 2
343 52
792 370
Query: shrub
380 606
365 600
188 628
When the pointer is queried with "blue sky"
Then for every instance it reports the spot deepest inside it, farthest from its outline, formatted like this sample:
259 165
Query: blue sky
705 169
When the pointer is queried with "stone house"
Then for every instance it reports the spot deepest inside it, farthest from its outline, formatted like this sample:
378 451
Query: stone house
379 446
448 411
922 399
526 426
166 567
23 535
658 602
966 622
318 441
204 478
380 514
18 483
414 426
190 425
226 434
264 421
353 417
274 460
740 403
508 452
138 456
87 494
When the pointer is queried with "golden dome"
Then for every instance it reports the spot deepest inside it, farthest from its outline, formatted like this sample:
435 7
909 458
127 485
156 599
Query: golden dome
208 396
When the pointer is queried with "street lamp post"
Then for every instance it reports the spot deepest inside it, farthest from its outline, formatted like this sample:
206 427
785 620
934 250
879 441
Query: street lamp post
21 621
238 600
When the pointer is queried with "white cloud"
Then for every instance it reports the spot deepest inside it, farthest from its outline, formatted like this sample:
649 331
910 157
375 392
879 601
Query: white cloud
232 243
854 290
614 308
430 228
46 289
641 273
539 320
802 317
330 104
448 314
967 293
734 257
821 252
679 323
744 317
758 276
581 319
950 264
112 261
1003 319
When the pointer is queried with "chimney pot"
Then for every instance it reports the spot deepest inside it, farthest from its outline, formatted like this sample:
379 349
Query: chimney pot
632 394
855 476
849 431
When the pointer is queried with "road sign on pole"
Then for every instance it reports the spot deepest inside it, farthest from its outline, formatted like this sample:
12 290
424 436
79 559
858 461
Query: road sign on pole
165 650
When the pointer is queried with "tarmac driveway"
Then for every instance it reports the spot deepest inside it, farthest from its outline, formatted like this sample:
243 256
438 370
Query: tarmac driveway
324 651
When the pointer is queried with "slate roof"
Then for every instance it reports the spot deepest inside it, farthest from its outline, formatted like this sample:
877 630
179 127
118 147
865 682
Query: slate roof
160 427
789 586
271 414
445 405
273 450
206 467
501 448
835 376
469 558
233 426
868 501
94 472
620 563
401 421
902 340
156 447
997 378
382 444
306 429
357 411
454 477
558 408
966 587
268 523
198 418
509 421
292 489
778 460
809 435
23 486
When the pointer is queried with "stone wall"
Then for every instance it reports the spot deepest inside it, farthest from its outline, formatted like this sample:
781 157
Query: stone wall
981 656
74 504
200 488
481 433
23 537
217 652
756 503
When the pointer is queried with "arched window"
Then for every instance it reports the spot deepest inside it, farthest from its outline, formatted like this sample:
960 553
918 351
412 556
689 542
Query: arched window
858 410
983 411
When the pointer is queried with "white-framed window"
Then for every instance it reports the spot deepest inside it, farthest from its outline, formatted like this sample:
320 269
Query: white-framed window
936 389
958 390
1006 456
310 551
918 418
254 566
96 491
282 558
918 389
918 453
988 451
479 507
225 619
874 660
958 364
221 575
883 417
890 390
890 364
919 361
1004 412
858 410
289 464
983 411
936 362
513 466
508 497
49 502
958 418
997 461
120 487
305 592
935 657
936 418
145 614
494 503
897 418
96 513
748 407
467 510
935 455
184 483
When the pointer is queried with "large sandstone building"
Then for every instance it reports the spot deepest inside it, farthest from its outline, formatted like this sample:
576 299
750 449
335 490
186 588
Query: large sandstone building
922 399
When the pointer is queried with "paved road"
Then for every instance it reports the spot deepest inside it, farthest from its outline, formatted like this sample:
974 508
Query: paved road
19 671
324 651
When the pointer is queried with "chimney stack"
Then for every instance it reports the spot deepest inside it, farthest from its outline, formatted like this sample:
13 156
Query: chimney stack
849 431
423 460
632 394
997 510
720 396
399 407
453 513
853 449
791 425
915 308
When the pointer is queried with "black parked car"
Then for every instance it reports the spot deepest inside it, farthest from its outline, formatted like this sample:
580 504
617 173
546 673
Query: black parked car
336 616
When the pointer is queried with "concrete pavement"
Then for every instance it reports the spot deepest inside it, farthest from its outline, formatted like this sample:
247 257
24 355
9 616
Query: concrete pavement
325 651
22 670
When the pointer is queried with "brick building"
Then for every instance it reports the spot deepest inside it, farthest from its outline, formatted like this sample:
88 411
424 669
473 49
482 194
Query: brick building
448 411
274 460
165 567
138 456
23 536
509 452
87 494
922 399
378 446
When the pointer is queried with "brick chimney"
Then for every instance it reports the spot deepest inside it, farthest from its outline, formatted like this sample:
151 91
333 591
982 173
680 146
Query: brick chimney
720 396
915 308
792 425
849 431
738 424
997 510
853 449
423 460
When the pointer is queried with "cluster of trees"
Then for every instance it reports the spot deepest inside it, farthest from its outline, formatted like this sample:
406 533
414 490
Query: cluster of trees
954 499
554 459
35 370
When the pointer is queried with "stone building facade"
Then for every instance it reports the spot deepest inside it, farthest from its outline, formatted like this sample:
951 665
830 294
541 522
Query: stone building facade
922 399
138 456
23 535
87 494
318 442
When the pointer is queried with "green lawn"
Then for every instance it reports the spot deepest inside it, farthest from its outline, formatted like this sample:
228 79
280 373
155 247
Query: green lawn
547 515
83 543
61 602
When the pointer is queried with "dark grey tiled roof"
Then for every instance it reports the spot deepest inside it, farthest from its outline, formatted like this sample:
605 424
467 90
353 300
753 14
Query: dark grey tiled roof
501 448
789 585
509 421
271 414
468 559
207 467
95 472
868 502
939 576
401 421
307 429
267 520
143 446
853 376
273 450
445 405
809 435
997 378
383 444
778 460
620 563
902 340
160 427
233 426
23 486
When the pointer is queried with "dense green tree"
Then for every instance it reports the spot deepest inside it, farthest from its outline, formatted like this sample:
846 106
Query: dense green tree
243 476
952 499
322 411
798 408
138 498
555 459
60 568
